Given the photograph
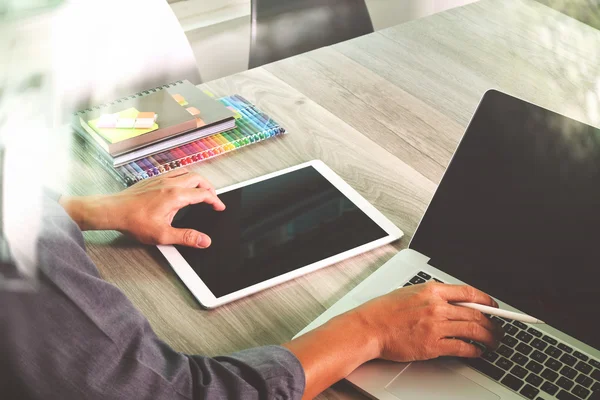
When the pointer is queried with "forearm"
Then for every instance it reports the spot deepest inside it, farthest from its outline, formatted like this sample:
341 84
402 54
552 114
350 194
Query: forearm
90 212
332 351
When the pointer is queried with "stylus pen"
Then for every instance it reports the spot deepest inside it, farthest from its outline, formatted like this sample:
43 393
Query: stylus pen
501 313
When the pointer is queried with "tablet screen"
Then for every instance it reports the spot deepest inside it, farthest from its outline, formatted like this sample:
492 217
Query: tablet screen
273 227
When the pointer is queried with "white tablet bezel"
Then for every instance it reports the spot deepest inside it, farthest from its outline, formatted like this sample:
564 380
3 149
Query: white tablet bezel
208 300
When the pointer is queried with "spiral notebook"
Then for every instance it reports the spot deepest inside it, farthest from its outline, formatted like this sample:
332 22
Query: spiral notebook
252 126
181 108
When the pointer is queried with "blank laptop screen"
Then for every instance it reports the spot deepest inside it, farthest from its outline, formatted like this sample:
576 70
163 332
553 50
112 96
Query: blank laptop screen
517 214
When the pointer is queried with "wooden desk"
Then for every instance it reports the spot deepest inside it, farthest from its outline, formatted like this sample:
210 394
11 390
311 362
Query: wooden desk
386 112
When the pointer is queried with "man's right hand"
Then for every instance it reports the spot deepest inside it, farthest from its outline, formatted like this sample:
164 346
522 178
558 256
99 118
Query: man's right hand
419 323
408 324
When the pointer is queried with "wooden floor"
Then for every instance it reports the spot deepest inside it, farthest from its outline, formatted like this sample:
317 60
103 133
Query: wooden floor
386 112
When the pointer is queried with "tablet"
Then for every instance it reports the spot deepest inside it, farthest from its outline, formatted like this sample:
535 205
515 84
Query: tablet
275 228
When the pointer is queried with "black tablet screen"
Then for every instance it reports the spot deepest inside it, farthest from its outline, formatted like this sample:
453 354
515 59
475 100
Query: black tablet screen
273 227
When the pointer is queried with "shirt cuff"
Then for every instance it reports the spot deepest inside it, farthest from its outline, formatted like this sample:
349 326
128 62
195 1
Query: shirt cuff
279 367
52 194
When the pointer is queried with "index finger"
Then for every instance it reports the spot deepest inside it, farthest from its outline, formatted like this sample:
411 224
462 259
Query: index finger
464 293
187 196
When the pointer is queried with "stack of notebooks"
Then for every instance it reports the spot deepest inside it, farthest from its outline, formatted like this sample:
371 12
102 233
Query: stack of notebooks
189 126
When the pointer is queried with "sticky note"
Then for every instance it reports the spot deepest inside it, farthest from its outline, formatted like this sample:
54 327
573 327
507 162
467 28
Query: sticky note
180 99
200 122
146 115
108 121
193 110
125 122
115 135
145 120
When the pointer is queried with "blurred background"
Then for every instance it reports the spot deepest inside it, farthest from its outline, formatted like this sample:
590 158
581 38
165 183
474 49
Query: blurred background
224 33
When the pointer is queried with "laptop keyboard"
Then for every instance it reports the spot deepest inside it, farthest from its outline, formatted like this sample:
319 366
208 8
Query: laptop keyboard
533 364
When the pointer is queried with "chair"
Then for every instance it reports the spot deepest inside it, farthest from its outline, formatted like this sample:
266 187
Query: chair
283 28
105 50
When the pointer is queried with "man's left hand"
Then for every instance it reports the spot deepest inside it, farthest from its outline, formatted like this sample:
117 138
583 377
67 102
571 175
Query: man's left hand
146 210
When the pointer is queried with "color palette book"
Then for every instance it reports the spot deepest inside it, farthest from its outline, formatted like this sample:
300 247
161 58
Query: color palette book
252 126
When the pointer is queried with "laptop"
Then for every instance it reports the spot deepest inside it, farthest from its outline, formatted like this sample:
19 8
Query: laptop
517 215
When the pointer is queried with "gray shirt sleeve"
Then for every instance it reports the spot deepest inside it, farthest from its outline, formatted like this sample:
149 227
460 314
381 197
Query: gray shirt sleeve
78 337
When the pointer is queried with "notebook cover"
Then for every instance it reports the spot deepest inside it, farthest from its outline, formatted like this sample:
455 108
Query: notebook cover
211 110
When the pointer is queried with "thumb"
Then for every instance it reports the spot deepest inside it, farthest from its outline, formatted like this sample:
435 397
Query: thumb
187 237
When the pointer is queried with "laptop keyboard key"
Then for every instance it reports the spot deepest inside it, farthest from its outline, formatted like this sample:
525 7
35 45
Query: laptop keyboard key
504 363
550 340
538 344
580 391
505 351
553 351
596 374
584 381
564 395
553 364
519 372
581 356
529 391
486 368
595 363
596 387
490 356
565 383
535 332
512 382
509 341
534 380
549 388
524 337
568 372
510 329
539 356
524 348
565 348
519 324
534 367
407 284
519 359
416 280
583 367
424 275
549 375
569 360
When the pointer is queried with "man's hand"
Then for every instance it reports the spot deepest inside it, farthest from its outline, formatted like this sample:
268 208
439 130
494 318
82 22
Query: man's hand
408 324
146 210
418 323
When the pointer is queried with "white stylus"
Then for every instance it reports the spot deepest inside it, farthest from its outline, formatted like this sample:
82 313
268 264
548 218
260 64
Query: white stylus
501 313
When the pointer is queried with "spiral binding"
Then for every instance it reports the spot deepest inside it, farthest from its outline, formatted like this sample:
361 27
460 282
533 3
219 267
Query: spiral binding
133 96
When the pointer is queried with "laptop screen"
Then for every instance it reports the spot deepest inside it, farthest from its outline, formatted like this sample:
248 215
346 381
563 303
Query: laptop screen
517 214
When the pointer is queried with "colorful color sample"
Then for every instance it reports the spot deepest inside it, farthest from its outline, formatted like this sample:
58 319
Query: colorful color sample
252 126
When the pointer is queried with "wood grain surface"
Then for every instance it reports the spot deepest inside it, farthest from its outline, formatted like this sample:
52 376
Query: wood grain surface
386 112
